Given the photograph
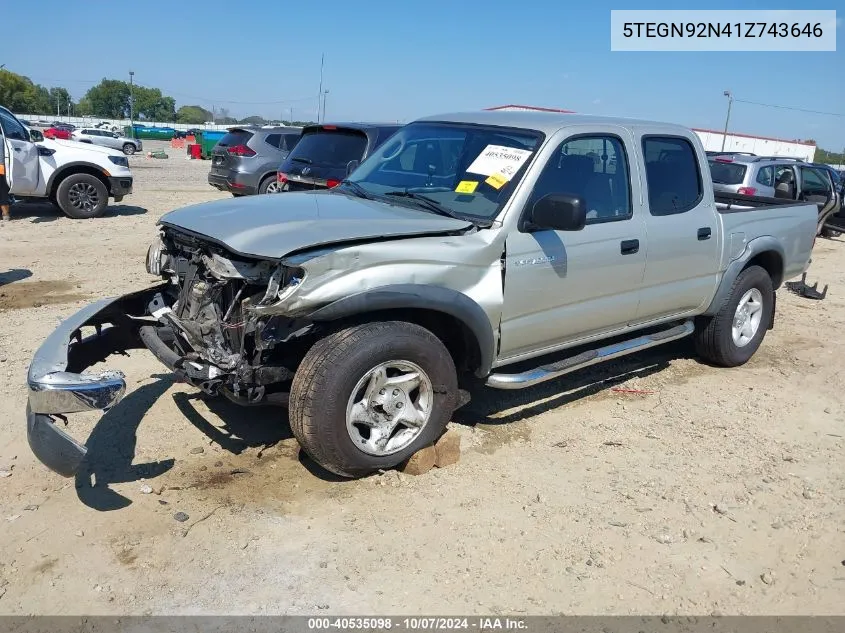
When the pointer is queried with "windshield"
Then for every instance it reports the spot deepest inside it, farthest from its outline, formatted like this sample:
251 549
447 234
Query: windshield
329 147
727 173
470 170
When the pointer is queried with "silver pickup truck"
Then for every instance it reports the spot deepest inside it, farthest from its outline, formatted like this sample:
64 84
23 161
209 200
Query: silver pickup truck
465 244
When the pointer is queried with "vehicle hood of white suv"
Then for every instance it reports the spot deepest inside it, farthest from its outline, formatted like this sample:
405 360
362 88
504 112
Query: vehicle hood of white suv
77 146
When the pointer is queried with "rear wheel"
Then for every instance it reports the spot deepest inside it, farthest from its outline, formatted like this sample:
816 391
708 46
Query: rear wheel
82 196
269 185
128 149
370 396
735 332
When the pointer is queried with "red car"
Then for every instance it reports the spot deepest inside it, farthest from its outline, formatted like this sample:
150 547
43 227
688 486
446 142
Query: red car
59 133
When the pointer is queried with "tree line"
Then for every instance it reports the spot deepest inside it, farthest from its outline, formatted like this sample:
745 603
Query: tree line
111 99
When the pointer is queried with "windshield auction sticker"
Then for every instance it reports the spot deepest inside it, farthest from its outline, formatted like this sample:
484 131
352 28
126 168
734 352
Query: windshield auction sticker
499 159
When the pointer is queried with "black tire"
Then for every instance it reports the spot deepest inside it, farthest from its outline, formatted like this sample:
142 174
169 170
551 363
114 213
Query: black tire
713 335
268 180
332 368
74 205
129 149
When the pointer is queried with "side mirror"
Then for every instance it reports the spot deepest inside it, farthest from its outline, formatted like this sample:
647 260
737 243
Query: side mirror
35 136
351 166
559 212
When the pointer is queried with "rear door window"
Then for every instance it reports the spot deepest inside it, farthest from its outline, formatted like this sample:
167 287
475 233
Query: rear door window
672 175
724 173
766 176
330 148
289 141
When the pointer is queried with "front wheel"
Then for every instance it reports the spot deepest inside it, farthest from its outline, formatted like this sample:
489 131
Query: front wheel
731 336
129 149
369 396
82 196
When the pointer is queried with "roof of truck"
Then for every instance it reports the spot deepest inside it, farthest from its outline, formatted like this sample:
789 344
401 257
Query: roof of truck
546 122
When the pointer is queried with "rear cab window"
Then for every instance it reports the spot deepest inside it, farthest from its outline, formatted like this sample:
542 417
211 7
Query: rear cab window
672 175
727 172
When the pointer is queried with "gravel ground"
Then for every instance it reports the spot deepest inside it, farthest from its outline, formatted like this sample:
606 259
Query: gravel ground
705 491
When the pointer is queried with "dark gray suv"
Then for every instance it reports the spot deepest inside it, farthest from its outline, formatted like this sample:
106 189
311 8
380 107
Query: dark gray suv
245 160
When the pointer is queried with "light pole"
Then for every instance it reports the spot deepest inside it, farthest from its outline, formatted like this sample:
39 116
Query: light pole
132 103
325 92
730 97
320 90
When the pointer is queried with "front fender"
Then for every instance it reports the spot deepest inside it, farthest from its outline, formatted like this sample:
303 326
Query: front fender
399 296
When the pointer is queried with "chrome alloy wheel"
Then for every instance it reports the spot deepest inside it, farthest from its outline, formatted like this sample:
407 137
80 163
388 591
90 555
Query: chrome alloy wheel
389 407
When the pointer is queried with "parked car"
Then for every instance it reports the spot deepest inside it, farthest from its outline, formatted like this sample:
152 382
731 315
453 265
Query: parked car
244 161
108 139
63 126
714 153
78 178
58 133
327 153
776 177
467 246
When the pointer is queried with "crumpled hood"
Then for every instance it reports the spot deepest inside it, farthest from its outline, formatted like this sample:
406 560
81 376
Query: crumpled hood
272 226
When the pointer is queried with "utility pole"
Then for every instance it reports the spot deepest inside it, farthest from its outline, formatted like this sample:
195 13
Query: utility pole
291 116
325 92
730 97
132 103
57 107
320 91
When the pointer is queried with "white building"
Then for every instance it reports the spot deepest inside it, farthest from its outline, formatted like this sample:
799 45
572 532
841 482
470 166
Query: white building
712 139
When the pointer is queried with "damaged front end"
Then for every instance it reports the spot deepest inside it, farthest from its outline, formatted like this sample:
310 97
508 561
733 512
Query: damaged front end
208 323
211 323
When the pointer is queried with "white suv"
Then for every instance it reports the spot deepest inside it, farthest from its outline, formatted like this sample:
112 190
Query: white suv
79 178
107 139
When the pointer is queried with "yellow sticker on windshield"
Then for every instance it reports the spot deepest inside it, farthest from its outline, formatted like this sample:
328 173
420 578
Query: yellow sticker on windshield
497 181
466 186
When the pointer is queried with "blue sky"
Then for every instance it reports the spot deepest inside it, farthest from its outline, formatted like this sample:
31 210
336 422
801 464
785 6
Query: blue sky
399 60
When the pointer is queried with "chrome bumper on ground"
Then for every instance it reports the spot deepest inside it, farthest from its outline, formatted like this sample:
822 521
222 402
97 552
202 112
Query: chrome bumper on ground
58 383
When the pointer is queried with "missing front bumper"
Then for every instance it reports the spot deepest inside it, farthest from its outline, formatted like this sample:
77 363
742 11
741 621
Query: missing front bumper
58 383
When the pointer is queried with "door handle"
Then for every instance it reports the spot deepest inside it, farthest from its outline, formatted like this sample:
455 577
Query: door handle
704 233
629 247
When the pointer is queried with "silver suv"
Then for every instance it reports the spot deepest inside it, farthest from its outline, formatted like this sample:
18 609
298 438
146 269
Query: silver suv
108 139
245 160
775 177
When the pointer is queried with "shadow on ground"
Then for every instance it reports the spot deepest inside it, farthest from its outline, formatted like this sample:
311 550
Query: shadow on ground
38 212
13 275
487 403
111 449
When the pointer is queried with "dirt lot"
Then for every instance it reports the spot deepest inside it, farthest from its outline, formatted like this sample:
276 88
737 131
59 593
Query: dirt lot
710 490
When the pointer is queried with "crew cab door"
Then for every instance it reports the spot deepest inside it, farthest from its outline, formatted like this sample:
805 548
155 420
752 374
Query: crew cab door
684 237
21 155
817 186
563 286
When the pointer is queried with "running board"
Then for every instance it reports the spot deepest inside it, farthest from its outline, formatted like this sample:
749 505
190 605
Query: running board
590 357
